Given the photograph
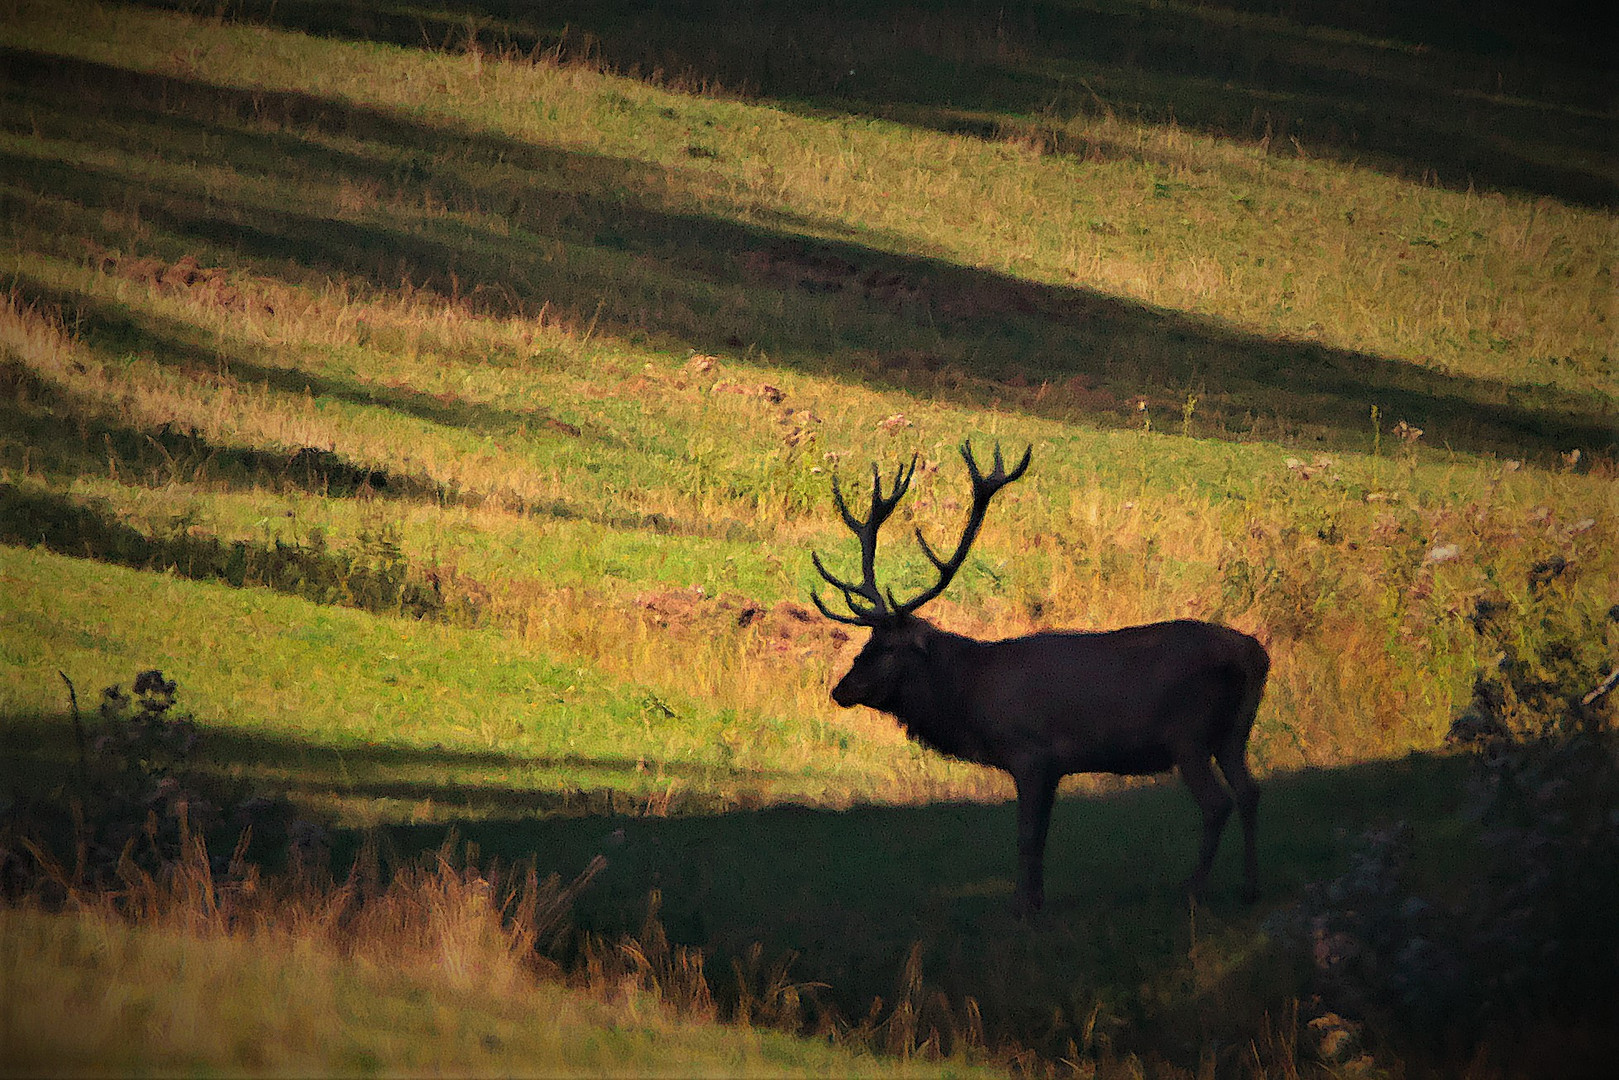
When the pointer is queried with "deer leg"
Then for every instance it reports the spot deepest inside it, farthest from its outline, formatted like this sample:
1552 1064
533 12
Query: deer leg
1232 757
1198 775
1036 791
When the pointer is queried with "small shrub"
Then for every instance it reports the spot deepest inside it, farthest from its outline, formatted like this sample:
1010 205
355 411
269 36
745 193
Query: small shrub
135 804
138 795
1546 656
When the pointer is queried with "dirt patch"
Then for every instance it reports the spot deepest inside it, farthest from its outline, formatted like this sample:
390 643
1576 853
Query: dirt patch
783 627
820 272
185 276
765 391
561 427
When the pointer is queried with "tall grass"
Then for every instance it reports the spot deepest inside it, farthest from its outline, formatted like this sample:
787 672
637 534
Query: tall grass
432 970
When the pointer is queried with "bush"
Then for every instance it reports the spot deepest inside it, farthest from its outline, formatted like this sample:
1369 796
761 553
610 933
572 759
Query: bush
135 801
1520 950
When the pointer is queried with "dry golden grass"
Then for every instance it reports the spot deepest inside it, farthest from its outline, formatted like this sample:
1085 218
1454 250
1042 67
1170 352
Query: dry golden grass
434 970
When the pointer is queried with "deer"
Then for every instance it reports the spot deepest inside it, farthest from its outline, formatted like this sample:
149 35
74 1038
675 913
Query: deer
1137 701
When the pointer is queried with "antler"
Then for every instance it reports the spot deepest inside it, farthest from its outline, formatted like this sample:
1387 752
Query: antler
879 605
984 489
876 607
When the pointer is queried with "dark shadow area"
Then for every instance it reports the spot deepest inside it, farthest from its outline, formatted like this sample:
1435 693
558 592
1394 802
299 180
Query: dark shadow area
591 241
52 431
911 904
454 781
1496 94
116 330
374 575
1116 964
58 432
848 894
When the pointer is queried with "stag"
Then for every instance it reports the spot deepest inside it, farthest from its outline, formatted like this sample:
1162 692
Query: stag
1136 701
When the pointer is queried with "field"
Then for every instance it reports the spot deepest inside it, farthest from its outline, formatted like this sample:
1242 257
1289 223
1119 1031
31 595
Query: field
448 398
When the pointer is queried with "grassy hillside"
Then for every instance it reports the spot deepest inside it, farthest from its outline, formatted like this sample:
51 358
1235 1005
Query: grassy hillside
448 400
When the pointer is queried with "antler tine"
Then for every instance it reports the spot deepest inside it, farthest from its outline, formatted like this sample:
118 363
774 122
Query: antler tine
835 617
843 507
882 507
984 489
998 476
1023 464
868 591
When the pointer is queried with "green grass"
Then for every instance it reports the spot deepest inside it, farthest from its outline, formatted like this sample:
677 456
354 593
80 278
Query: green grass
395 719
448 399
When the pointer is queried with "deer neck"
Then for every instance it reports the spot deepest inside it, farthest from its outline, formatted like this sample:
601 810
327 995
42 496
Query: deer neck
930 707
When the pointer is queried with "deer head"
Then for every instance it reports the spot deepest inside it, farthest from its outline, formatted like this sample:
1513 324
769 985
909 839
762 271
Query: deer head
899 642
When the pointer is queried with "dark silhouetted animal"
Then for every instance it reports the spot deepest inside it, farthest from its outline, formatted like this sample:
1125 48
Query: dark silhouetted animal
1141 700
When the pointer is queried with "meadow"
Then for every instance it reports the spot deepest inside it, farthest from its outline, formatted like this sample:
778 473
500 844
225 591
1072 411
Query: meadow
448 400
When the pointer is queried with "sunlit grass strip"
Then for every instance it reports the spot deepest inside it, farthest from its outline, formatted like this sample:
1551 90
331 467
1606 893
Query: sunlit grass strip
331 686
1447 280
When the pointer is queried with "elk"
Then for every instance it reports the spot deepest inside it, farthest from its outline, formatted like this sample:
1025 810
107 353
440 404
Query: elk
1136 701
